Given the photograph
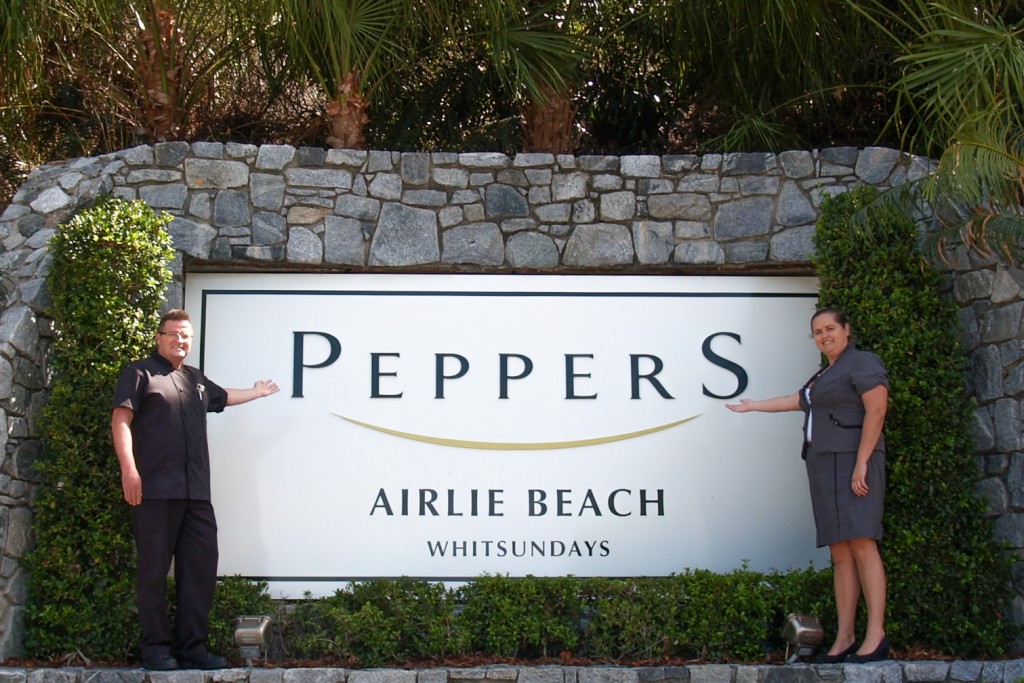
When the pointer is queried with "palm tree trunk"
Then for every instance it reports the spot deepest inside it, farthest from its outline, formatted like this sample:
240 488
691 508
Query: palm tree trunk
160 75
548 123
348 115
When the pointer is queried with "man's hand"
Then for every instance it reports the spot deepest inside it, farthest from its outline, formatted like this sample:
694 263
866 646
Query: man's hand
265 387
131 483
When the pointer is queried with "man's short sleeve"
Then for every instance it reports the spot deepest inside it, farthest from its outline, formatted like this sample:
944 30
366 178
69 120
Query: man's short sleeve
128 390
218 400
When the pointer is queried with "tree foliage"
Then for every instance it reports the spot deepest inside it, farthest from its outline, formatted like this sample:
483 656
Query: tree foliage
960 96
949 583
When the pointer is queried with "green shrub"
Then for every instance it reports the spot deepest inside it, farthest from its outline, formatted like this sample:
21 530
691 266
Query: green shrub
377 621
423 615
629 619
107 281
335 627
723 616
524 617
949 583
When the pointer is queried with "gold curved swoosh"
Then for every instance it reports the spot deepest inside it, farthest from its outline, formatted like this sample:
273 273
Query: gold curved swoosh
516 446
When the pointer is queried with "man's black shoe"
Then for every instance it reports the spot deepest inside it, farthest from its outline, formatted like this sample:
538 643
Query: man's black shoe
160 663
207 660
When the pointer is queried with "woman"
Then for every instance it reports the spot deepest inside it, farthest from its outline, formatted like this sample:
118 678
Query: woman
845 405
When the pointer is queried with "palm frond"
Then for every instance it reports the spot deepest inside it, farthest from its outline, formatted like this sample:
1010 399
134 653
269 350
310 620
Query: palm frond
971 197
529 51
751 132
334 38
961 64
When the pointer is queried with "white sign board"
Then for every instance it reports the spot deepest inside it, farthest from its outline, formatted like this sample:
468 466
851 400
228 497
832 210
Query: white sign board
447 426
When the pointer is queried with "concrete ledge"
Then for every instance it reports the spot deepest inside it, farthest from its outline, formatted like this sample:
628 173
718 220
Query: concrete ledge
892 671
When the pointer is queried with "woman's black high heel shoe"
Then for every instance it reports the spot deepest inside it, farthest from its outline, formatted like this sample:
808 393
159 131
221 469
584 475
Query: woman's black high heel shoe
836 658
881 652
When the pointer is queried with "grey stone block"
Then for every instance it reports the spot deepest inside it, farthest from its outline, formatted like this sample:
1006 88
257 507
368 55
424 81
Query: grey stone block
164 196
531 250
304 246
568 186
640 166
416 168
689 206
274 157
797 164
653 241
231 209
875 164
748 217
405 236
170 153
315 675
358 207
191 237
600 244
268 228
335 179
504 201
925 671
699 252
386 186
794 207
746 163
617 206
477 243
266 191
215 174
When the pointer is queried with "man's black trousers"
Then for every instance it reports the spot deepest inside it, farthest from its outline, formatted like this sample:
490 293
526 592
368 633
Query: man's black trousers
185 531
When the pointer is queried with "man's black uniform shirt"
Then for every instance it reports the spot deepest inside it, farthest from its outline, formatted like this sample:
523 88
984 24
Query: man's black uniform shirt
169 426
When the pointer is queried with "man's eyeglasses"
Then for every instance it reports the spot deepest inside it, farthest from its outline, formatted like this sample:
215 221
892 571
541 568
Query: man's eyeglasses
181 336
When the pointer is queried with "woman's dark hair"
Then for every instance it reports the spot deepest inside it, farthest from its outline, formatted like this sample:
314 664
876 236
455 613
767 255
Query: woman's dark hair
836 313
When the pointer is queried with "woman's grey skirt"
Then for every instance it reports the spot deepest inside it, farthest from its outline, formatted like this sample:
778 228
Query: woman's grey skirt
839 513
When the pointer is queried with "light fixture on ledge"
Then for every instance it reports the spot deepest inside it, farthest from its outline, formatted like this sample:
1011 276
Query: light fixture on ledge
802 633
253 636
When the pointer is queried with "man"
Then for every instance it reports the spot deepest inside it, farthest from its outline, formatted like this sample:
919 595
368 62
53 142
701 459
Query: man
159 432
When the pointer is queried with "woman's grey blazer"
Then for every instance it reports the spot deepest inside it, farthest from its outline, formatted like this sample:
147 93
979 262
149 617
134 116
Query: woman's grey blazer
833 405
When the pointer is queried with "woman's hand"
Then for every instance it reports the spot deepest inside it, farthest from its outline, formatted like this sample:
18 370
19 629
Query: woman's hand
744 406
768 405
859 481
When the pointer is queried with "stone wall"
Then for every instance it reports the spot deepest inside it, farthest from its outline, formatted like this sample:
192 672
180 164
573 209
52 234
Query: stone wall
282 208
991 304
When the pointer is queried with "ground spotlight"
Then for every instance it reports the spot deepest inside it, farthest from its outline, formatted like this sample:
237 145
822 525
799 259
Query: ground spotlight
802 633
253 636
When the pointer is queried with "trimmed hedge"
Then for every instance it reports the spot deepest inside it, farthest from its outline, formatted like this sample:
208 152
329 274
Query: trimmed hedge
949 582
107 283
695 615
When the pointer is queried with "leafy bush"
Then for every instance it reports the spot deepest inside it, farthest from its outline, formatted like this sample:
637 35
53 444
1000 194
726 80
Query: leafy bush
949 583
629 620
526 617
696 615
334 627
107 282
423 615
